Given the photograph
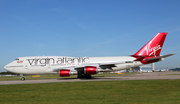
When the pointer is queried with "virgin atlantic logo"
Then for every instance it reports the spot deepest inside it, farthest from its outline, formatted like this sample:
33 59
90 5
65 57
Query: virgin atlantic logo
58 61
150 51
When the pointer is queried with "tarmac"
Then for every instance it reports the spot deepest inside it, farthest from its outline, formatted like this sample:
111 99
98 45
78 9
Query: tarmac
139 76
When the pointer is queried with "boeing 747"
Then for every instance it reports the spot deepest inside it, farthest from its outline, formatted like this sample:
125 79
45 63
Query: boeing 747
84 67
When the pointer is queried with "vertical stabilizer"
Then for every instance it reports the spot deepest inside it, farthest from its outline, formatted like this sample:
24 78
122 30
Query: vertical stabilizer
153 47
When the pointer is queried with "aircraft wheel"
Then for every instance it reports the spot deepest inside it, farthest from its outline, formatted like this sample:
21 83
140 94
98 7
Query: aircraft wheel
88 76
22 79
80 76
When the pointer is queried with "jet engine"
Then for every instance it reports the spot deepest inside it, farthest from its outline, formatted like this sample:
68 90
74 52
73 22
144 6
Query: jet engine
66 73
90 70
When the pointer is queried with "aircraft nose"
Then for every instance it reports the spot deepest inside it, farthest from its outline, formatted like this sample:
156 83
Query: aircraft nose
6 68
9 67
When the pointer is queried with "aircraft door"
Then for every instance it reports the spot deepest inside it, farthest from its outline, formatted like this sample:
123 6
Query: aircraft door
25 66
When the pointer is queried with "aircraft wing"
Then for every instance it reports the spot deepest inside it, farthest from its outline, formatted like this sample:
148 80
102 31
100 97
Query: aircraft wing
101 65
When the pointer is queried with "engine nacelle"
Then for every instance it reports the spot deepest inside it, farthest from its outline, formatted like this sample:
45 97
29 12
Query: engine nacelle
66 73
90 70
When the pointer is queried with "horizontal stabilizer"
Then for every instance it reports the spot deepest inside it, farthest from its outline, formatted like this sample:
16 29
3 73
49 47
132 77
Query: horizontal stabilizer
140 58
160 57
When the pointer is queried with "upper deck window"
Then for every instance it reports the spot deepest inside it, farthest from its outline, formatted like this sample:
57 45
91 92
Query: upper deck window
16 59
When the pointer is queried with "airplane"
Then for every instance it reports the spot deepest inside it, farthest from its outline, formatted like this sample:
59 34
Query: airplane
84 67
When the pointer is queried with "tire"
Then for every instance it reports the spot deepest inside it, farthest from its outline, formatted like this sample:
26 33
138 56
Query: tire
22 79
88 76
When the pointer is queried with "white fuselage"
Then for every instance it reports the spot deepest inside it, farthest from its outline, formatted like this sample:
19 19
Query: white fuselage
84 67
46 64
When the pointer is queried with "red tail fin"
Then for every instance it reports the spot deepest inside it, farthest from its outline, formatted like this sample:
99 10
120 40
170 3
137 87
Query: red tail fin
153 47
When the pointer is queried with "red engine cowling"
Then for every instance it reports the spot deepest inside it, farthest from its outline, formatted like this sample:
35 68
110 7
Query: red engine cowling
64 73
90 70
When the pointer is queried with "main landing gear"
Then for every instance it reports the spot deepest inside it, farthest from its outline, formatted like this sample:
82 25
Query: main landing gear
88 76
82 75
22 77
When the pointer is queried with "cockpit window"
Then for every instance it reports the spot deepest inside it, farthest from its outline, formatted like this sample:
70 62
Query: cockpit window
16 59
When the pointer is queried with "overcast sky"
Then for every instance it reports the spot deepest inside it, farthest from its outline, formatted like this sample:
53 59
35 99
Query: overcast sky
87 28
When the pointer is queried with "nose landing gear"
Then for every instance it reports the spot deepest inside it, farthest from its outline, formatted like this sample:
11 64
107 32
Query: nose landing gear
22 77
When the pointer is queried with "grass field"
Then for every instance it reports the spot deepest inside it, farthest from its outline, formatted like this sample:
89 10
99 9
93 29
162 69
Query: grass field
102 92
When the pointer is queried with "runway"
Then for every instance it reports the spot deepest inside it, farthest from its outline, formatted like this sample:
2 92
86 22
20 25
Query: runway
142 76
